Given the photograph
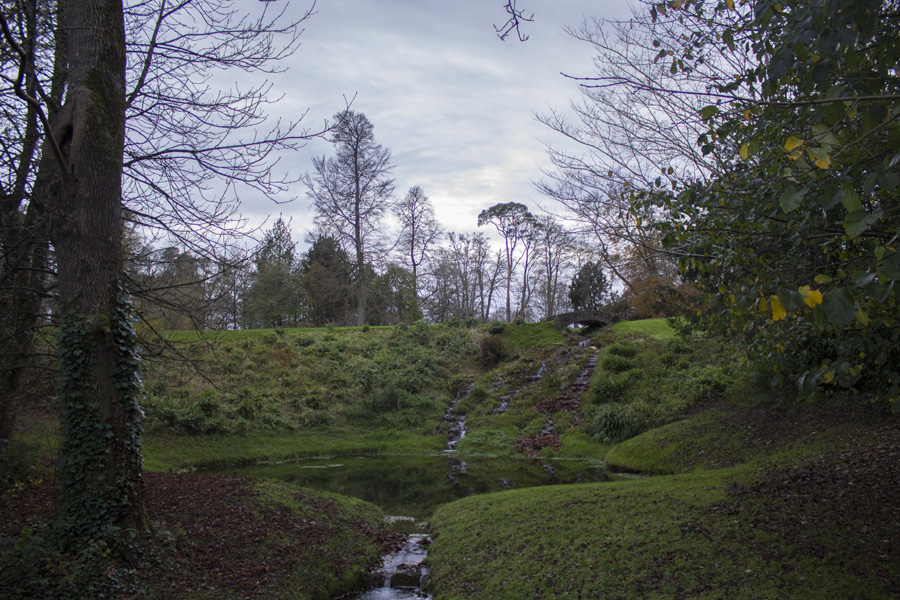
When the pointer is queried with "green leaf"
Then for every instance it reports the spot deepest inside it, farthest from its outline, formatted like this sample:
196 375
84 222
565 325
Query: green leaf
820 318
863 278
708 112
754 145
822 279
850 198
830 197
858 221
791 300
890 268
840 307
790 199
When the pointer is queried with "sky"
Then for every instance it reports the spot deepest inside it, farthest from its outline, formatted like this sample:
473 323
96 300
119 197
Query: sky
455 105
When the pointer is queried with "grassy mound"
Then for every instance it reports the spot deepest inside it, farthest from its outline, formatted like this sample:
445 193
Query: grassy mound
764 507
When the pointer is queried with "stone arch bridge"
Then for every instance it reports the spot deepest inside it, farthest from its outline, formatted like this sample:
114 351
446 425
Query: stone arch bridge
596 318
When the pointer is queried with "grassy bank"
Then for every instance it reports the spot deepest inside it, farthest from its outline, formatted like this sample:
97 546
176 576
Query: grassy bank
762 506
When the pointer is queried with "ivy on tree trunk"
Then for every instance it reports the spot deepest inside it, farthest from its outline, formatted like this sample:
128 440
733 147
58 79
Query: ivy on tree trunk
100 461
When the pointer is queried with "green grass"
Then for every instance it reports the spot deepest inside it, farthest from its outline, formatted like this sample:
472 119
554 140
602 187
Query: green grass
657 328
168 452
527 337
795 515
189 335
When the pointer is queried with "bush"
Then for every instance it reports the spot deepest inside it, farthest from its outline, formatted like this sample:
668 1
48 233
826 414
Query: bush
33 567
617 364
613 422
497 327
493 351
208 403
622 349
613 387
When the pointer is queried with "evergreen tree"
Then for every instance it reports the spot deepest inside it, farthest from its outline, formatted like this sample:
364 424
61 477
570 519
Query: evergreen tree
273 299
589 287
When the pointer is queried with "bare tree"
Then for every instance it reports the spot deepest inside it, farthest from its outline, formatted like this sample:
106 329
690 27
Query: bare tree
351 193
420 231
637 125
185 154
555 247
514 223
514 22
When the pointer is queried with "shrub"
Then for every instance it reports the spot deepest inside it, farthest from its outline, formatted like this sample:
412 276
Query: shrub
622 349
493 351
617 364
208 403
303 341
33 567
497 327
613 422
613 387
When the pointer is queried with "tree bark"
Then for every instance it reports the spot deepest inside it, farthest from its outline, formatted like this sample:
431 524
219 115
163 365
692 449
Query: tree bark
23 234
100 462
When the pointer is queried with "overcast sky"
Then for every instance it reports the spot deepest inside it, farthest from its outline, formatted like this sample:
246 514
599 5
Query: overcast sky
453 103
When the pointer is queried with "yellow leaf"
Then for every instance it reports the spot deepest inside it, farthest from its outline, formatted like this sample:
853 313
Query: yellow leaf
762 306
745 151
778 312
812 298
821 158
676 4
747 114
829 376
863 318
793 142
729 4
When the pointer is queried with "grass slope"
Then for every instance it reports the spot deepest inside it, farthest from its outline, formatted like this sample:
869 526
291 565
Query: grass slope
765 507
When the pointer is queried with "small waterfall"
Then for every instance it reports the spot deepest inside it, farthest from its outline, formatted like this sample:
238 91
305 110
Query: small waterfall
401 572
504 400
457 429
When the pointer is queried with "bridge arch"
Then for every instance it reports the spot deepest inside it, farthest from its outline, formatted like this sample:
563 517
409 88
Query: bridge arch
597 318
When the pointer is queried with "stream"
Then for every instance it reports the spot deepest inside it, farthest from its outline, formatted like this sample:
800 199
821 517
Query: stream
408 488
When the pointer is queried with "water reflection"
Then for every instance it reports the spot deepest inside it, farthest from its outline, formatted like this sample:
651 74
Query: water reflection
413 486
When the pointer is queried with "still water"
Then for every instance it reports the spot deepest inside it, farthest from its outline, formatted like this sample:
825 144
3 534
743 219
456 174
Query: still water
409 488
413 486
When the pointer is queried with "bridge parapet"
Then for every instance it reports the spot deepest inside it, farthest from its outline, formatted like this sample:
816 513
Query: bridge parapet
585 317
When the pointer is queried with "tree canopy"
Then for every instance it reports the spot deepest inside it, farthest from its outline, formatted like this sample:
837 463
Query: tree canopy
796 242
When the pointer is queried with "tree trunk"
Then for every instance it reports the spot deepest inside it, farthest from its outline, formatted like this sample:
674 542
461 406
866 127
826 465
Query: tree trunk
23 270
100 460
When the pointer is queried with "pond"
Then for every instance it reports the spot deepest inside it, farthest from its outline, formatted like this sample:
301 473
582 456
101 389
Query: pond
413 486
409 488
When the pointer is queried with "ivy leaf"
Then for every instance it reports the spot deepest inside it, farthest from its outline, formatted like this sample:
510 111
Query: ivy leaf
840 308
858 221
